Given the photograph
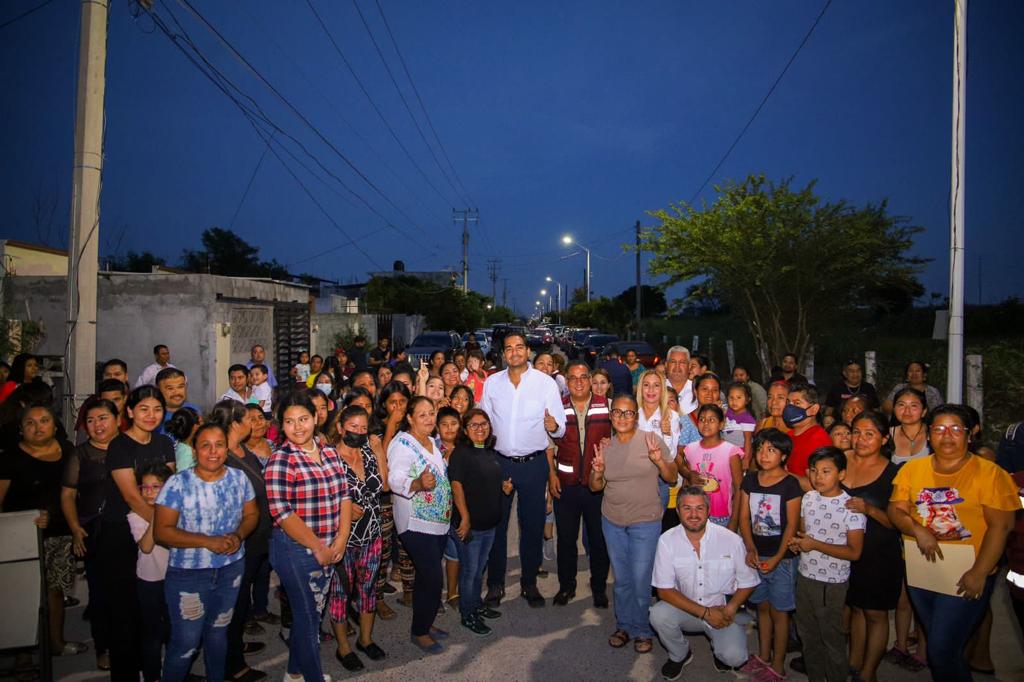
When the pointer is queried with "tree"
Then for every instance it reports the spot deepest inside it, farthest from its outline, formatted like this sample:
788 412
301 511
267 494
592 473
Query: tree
602 313
783 260
444 307
223 253
134 262
652 300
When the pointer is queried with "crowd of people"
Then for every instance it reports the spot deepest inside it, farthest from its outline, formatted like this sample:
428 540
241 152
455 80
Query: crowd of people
707 503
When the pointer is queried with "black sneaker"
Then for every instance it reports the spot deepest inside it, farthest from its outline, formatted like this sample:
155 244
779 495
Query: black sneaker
720 666
488 613
600 600
673 670
495 593
476 626
533 596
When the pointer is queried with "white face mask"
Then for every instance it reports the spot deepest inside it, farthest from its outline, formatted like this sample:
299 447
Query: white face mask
324 388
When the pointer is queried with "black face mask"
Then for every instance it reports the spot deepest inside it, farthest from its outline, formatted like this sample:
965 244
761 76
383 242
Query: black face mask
354 440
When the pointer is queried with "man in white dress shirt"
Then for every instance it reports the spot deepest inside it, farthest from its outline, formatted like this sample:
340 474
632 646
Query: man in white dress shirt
525 408
162 357
677 371
696 566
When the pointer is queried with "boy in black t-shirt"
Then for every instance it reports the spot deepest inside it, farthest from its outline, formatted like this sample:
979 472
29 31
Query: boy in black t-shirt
769 518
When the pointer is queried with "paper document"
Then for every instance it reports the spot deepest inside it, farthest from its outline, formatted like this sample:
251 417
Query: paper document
942 575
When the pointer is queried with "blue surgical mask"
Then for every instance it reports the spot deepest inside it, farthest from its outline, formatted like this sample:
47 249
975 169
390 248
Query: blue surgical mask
793 415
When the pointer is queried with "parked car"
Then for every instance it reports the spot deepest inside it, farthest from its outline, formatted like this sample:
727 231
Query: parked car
577 339
645 352
540 338
592 345
428 342
498 341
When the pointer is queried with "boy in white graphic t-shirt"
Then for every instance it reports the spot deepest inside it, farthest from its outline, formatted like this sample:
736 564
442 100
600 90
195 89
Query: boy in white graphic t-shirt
830 537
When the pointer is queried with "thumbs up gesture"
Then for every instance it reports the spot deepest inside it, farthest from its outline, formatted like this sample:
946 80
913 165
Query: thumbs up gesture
549 422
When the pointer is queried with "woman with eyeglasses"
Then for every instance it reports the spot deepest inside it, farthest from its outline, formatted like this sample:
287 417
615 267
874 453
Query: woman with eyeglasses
627 468
953 497
477 488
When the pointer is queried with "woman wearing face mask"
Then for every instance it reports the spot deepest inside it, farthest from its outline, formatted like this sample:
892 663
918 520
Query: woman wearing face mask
325 384
82 497
355 579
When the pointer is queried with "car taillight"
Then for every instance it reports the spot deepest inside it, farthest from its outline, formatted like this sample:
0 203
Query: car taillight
656 358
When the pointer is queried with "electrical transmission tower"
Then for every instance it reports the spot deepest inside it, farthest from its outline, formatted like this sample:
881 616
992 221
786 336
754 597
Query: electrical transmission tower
493 266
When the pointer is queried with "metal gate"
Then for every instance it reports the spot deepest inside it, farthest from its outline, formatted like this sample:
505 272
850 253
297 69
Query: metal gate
384 327
291 337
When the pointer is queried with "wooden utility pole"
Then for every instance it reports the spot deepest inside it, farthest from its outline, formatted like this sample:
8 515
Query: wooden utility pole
638 310
83 244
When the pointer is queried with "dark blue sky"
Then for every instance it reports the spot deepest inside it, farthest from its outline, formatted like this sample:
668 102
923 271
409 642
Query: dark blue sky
558 117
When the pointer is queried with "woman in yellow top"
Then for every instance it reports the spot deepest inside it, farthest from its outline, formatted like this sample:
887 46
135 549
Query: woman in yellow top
953 497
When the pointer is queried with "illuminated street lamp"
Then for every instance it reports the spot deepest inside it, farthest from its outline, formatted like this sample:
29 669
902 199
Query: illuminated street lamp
568 240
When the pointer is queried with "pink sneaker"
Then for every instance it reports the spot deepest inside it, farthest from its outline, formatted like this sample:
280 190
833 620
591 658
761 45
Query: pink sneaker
767 674
754 664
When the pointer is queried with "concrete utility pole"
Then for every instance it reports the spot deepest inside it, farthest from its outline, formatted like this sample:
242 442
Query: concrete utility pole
638 311
493 265
466 216
83 243
955 375
504 292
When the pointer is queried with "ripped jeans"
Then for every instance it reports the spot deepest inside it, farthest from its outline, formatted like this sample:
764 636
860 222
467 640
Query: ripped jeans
307 585
200 602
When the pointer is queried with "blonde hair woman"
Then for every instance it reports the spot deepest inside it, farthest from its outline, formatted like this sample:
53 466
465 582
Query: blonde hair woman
656 415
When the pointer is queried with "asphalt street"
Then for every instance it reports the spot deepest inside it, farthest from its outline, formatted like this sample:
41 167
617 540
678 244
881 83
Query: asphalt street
550 643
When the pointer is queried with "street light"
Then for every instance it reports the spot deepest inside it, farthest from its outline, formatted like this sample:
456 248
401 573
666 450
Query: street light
544 292
567 240
559 298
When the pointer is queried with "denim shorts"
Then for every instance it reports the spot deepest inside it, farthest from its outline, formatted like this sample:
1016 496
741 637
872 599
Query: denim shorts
451 547
778 588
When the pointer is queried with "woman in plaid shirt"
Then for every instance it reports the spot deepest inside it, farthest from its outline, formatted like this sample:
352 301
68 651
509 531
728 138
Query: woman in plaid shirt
312 512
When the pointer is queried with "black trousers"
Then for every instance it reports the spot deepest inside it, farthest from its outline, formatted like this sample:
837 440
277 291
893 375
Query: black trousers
235 661
116 556
579 503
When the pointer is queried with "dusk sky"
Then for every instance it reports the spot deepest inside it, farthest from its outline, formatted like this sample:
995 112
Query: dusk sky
558 117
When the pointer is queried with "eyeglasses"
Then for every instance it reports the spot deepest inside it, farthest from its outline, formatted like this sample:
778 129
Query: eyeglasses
943 429
476 426
628 414
151 488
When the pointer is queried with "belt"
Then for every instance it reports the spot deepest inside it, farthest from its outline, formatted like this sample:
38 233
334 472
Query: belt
522 460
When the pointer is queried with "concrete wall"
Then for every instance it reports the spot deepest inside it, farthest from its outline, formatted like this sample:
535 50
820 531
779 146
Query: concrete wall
190 314
328 325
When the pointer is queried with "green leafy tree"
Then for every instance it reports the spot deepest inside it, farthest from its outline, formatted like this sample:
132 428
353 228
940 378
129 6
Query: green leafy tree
782 259
444 307
134 262
652 300
603 313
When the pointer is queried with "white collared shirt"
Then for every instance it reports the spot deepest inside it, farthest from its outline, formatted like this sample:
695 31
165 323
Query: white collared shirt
687 403
654 425
720 570
517 413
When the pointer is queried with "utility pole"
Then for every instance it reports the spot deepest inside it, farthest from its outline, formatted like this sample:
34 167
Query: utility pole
955 364
83 242
638 311
504 293
493 265
465 216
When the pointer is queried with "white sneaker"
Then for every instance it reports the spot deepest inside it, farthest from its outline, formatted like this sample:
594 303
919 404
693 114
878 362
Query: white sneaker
288 677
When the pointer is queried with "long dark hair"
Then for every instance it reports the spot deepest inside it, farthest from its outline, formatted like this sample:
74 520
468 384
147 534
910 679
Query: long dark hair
225 413
411 407
380 411
17 374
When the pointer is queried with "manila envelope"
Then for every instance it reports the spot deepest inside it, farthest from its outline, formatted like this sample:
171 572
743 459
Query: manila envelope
942 575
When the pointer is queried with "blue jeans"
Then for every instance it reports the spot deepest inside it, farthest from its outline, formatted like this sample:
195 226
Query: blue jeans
472 559
631 550
530 480
307 585
949 622
200 602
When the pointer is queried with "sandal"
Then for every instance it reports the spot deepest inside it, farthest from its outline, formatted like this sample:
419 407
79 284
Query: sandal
71 649
385 612
643 645
618 639
454 599
103 661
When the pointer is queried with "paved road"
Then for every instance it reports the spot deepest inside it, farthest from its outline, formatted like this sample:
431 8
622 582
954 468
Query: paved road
563 643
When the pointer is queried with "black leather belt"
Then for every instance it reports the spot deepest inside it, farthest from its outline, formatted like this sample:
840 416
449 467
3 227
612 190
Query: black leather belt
524 459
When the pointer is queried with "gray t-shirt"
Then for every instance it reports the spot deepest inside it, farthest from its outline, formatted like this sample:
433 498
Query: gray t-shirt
631 489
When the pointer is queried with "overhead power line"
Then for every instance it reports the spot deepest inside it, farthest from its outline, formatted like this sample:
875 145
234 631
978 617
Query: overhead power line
764 101
373 104
401 59
316 131
405 102
14 20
